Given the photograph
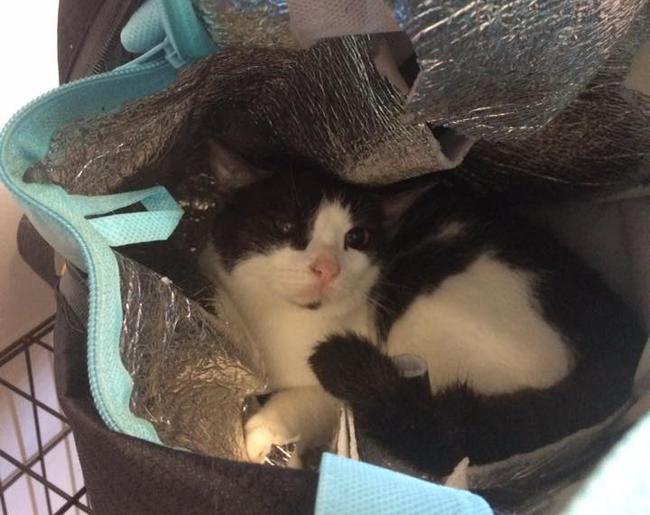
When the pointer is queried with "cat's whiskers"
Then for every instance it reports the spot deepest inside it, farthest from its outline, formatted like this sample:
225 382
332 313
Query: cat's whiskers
376 303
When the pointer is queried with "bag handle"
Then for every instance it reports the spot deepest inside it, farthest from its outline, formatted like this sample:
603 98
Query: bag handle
170 27
185 31
156 223
348 486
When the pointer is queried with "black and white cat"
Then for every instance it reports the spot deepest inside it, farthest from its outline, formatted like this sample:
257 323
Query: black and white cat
524 344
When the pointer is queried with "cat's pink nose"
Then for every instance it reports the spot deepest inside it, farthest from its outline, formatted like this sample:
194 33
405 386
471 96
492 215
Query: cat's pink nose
325 268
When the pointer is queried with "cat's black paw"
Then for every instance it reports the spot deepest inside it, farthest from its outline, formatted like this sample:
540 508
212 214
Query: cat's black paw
351 368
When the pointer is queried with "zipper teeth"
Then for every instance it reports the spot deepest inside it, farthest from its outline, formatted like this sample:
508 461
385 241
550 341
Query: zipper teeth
13 187
100 65
72 86
102 36
116 23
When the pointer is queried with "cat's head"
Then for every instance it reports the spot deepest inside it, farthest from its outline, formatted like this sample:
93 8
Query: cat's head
293 233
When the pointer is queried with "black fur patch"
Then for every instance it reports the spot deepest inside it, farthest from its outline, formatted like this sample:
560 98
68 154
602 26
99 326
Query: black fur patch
251 219
345 362
434 431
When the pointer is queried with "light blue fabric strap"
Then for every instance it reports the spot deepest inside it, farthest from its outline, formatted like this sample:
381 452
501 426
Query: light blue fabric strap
356 488
144 30
157 223
169 26
189 38
64 221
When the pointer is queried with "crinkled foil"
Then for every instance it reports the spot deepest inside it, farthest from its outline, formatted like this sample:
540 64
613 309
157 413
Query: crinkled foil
291 23
280 455
331 103
502 70
192 370
600 142
328 102
494 69
248 23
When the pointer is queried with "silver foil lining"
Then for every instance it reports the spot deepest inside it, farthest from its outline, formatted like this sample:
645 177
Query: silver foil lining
493 69
328 102
291 23
280 455
247 23
192 370
502 70
331 103
600 142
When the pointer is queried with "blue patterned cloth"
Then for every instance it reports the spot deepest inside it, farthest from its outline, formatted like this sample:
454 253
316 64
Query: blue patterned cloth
357 488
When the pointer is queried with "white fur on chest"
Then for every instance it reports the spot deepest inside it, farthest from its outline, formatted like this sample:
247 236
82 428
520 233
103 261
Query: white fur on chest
481 326
287 336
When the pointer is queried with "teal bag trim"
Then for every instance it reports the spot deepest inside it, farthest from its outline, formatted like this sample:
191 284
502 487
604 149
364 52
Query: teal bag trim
62 220
170 26
187 35
144 30
155 224
356 488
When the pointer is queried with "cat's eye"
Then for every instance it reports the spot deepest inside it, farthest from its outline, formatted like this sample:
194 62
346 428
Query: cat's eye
357 238
285 228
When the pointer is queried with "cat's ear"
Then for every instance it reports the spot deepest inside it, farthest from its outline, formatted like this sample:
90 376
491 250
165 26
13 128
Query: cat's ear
231 171
395 204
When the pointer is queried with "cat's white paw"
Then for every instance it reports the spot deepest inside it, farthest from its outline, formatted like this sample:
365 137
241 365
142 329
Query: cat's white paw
261 435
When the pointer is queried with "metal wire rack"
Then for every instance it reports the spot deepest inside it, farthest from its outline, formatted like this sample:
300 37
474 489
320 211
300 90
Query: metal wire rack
40 473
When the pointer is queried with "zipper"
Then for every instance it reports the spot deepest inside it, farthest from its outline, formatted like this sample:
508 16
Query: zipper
103 38
186 39
70 86
11 184
104 33
116 24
